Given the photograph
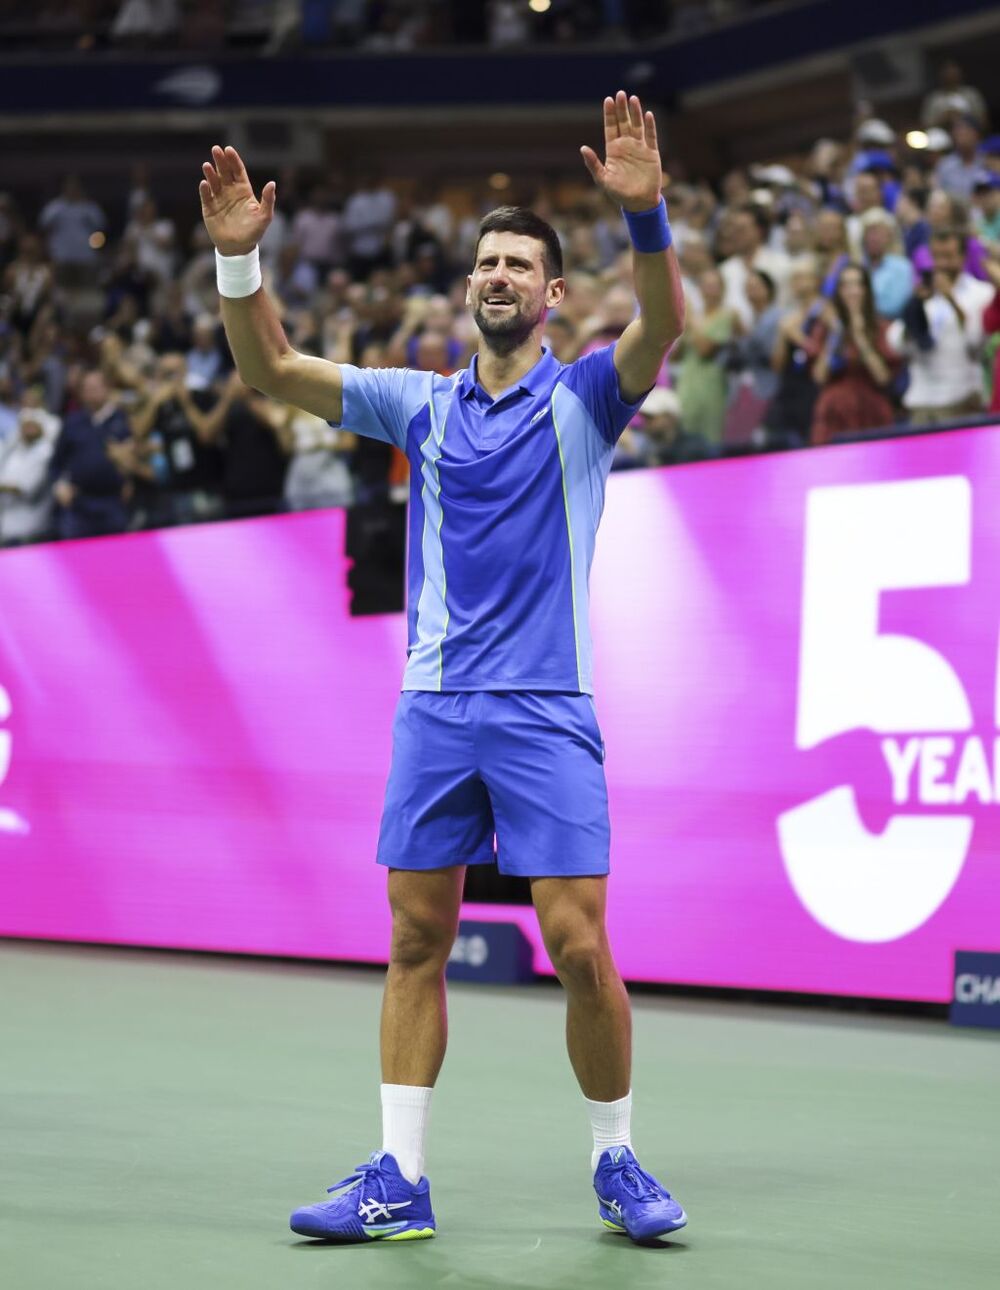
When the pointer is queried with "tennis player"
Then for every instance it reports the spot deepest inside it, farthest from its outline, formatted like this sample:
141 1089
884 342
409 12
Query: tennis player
496 732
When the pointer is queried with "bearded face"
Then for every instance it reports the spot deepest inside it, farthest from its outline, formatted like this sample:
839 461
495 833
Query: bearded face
508 291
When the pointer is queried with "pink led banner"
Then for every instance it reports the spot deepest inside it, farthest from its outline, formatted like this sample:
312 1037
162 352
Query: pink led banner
797 681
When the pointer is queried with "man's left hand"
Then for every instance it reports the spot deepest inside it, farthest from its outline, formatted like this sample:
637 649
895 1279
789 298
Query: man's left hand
631 173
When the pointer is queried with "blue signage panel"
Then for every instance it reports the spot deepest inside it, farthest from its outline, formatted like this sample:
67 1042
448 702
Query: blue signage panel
976 993
498 953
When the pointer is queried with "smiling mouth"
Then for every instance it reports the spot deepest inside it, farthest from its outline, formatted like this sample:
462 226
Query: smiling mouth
497 302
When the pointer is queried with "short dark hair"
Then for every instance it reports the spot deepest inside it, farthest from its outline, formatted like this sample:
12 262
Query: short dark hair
518 219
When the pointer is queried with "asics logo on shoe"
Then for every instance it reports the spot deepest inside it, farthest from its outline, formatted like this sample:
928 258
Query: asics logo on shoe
371 1209
612 1205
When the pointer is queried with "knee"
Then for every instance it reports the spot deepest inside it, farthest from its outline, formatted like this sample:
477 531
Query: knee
580 957
420 940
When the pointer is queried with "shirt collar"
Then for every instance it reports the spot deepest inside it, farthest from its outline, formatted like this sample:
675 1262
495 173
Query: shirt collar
532 381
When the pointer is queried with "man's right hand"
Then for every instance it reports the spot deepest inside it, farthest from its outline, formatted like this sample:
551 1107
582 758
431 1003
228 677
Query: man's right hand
235 219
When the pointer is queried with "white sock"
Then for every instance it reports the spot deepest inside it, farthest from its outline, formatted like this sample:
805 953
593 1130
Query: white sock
405 1112
612 1125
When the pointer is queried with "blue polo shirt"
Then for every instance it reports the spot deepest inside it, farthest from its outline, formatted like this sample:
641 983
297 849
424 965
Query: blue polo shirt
505 498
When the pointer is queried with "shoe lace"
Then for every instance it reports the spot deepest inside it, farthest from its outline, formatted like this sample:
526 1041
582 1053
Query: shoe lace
640 1184
369 1176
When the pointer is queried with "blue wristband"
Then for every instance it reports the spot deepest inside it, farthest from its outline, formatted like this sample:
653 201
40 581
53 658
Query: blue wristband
649 230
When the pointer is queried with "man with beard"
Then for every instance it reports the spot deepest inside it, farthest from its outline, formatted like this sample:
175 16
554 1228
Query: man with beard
496 731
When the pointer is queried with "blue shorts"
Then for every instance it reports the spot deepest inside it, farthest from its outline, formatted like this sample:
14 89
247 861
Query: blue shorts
525 766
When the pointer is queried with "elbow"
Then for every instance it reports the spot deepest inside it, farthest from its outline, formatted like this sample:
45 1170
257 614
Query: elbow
259 376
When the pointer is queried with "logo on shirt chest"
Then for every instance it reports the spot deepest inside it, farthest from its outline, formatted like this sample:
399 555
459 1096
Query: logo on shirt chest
539 414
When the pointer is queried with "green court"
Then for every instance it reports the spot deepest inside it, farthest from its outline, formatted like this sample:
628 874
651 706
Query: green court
161 1115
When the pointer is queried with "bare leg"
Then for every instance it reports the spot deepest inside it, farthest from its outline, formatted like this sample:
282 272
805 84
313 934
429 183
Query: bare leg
425 907
598 1015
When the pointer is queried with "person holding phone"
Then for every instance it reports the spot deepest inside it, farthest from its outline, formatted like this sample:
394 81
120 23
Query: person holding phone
941 334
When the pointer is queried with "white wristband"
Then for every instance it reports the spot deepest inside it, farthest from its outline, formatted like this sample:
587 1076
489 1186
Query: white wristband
238 275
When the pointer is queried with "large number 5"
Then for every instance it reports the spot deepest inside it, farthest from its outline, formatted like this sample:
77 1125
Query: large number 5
862 540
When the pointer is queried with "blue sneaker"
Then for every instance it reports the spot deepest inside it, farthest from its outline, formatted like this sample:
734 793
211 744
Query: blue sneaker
378 1205
632 1200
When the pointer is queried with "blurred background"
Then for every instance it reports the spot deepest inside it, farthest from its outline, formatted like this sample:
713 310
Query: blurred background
816 154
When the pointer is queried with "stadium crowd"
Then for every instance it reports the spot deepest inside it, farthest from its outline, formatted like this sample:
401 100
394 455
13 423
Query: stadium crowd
280 26
853 289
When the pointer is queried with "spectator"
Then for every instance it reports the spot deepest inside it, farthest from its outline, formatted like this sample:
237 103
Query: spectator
873 134
143 22
88 470
367 222
986 209
9 420
891 273
47 362
991 325
854 369
432 354
120 372
316 229
27 282
151 238
295 280
941 332
867 196
656 438
832 251
255 440
69 222
428 316
204 358
561 338
318 474
615 311
911 217
171 323
796 349
25 502
952 96
190 485
508 24
797 235
694 256
702 384
750 229
754 382
956 173
883 166
826 166
946 213
989 152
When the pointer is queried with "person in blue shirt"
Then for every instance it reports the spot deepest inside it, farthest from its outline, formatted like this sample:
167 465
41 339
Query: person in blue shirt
891 272
496 732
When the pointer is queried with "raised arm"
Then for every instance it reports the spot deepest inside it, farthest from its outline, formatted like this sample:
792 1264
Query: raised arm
236 221
632 177
207 425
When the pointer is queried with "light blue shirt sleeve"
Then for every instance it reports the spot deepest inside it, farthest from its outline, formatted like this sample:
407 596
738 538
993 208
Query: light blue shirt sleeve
892 284
380 402
594 381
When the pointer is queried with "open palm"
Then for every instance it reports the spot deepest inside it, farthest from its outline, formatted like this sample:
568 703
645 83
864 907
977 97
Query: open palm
631 173
235 219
